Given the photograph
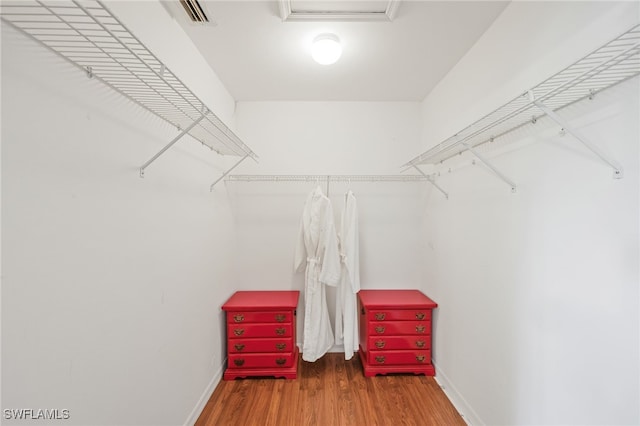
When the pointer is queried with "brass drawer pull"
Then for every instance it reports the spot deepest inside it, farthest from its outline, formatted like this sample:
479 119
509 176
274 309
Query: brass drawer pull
238 318
420 328
420 316
281 361
420 358
380 344
238 362
379 329
280 318
362 311
280 331
238 346
281 346
380 359
380 316
238 331
420 343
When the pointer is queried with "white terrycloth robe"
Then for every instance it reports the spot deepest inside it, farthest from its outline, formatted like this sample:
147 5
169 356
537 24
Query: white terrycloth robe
317 249
349 286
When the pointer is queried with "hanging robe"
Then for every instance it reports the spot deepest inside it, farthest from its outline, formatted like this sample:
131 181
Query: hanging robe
317 252
349 285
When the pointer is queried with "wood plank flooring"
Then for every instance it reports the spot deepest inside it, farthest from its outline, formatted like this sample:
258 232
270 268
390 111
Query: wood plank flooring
330 391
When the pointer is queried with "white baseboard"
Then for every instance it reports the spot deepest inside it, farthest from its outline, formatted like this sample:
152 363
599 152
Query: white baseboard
204 398
468 414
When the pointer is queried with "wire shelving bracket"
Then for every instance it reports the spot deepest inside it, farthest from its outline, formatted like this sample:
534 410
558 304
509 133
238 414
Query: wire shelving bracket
611 64
618 172
432 181
488 164
89 36
227 172
173 141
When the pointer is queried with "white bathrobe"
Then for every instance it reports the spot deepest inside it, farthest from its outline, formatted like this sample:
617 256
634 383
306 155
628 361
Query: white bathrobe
317 249
349 286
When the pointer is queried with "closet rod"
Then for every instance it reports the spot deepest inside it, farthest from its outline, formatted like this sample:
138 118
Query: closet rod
325 178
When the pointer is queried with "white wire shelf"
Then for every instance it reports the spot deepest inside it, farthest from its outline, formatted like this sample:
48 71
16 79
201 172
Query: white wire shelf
89 36
613 63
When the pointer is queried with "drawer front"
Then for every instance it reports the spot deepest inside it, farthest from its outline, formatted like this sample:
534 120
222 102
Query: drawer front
399 342
415 357
379 328
261 345
264 317
399 315
260 360
241 331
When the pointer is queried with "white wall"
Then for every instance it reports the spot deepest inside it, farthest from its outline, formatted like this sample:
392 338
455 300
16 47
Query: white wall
538 320
328 138
112 284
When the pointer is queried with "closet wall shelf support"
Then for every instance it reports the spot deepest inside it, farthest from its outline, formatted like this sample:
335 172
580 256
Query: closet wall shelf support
605 67
618 172
484 161
227 172
432 182
87 35
173 141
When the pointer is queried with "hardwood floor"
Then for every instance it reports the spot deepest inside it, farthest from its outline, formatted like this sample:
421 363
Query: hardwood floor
330 391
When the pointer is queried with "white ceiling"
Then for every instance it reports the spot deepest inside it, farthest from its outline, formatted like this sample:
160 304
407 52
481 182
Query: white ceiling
260 57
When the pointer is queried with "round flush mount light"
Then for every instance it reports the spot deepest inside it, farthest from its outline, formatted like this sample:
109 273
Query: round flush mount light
326 49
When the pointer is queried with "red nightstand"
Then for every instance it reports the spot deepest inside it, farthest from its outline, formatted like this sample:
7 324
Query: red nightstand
395 332
261 334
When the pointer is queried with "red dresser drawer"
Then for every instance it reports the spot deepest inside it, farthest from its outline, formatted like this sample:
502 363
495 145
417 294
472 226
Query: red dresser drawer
237 331
399 315
261 360
261 345
399 357
398 342
264 317
399 327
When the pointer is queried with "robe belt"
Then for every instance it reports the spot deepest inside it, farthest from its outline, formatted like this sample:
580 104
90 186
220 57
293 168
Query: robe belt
312 274
343 258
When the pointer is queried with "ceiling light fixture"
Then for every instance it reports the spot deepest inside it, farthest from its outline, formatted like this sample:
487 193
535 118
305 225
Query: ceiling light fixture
326 49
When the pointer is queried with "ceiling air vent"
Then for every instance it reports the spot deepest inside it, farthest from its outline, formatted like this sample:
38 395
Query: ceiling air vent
194 10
